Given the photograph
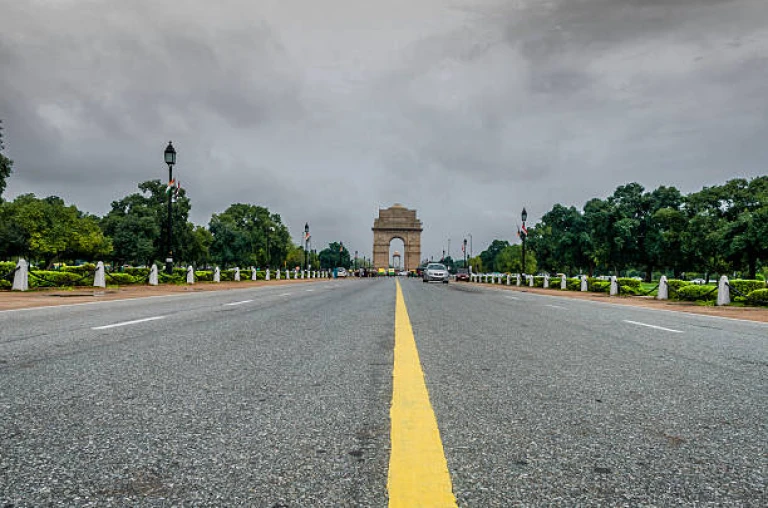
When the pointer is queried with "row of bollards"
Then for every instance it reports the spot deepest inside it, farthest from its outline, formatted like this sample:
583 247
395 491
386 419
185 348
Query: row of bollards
723 288
21 275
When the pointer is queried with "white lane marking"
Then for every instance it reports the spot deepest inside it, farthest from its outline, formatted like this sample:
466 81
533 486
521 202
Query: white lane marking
554 306
237 303
286 294
513 297
126 323
652 326
309 290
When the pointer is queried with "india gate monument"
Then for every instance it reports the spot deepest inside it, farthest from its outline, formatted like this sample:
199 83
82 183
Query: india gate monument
397 222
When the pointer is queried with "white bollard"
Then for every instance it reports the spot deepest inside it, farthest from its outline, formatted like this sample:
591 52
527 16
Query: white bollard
584 285
217 274
723 291
253 274
237 274
21 277
190 275
266 276
517 280
546 281
302 274
287 275
663 293
563 281
153 278
530 281
509 279
614 286
277 274
99 278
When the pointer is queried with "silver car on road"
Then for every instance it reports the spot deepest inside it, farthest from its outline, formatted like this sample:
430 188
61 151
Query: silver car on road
436 272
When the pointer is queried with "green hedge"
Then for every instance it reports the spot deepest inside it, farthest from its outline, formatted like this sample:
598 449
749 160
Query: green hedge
6 266
697 293
81 269
747 286
58 279
4 284
599 286
138 272
758 297
123 279
176 278
675 285
203 276
573 284
627 281
537 282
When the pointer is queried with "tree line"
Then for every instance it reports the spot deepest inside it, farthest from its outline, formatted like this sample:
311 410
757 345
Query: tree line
718 230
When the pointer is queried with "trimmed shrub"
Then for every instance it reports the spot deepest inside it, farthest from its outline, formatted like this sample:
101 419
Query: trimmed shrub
164 278
758 297
573 284
599 286
6 266
139 272
4 284
627 281
43 278
538 282
81 269
697 293
204 276
676 284
122 279
746 286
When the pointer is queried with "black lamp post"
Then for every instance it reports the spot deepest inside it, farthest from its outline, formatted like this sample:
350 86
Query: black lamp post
465 253
306 243
524 233
269 254
355 260
341 249
170 159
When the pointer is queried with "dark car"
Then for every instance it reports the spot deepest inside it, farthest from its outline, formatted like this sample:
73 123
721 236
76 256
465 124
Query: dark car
462 274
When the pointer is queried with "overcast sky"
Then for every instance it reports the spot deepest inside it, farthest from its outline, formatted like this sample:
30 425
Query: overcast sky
324 111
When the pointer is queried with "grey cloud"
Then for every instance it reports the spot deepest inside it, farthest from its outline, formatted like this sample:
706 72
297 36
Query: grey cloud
466 111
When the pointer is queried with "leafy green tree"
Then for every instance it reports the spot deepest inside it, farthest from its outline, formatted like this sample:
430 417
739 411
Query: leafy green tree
562 242
334 255
488 256
243 233
510 259
6 164
47 231
138 224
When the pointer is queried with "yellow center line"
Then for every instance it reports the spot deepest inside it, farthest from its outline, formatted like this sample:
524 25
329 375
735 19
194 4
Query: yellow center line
418 471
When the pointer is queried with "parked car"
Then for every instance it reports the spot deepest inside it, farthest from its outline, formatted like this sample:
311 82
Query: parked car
436 272
341 272
462 274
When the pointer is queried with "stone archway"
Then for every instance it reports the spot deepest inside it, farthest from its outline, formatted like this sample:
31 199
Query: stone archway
397 222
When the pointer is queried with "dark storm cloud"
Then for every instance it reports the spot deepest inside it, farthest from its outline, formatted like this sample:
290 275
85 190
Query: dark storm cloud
324 112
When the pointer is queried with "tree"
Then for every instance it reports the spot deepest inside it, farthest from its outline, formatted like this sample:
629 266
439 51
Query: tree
561 241
240 236
334 255
488 256
6 164
46 230
509 260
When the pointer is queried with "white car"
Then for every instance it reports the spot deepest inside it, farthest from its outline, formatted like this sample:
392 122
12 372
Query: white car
341 272
436 272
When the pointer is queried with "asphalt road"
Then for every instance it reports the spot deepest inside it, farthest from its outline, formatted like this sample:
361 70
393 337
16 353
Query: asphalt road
280 396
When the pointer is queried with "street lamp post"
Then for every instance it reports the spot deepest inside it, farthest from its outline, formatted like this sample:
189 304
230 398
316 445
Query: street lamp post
269 254
355 260
524 233
306 243
465 253
170 159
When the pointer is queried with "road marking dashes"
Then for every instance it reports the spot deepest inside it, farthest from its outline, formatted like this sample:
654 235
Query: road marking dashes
286 294
126 323
237 303
652 326
555 306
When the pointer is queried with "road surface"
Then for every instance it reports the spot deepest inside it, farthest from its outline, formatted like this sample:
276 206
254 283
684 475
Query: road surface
281 396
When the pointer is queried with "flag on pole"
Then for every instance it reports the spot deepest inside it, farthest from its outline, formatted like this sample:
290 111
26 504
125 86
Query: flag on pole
525 231
171 184
177 190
